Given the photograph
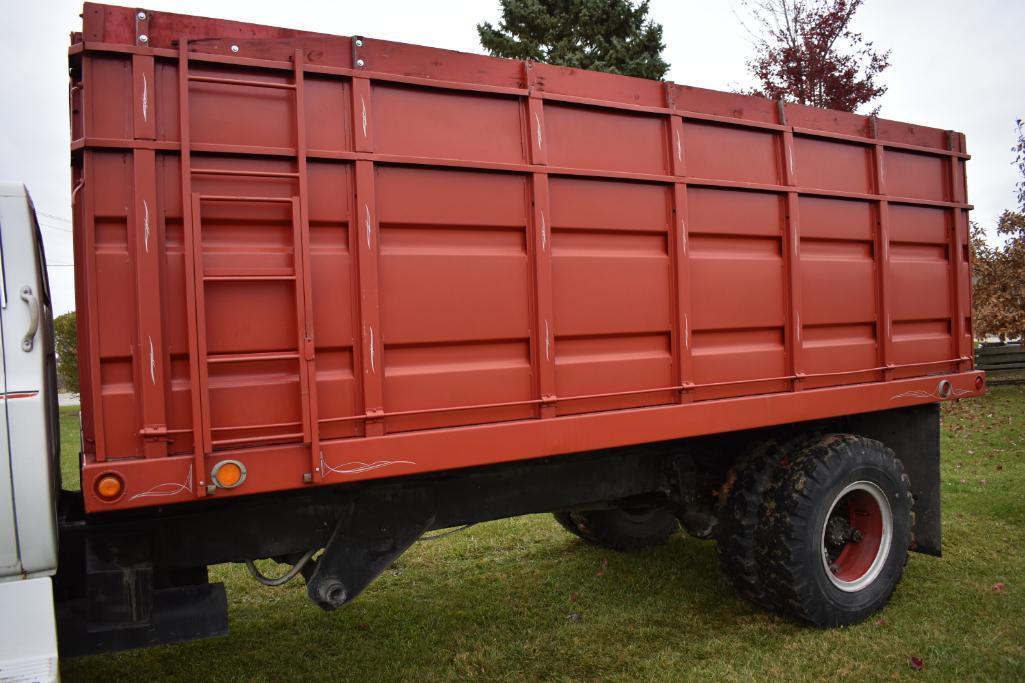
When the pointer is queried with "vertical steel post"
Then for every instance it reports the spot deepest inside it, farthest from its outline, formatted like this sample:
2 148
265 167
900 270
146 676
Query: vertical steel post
193 281
303 281
368 239
884 326
541 225
960 273
83 199
792 256
145 246
679 254
365 224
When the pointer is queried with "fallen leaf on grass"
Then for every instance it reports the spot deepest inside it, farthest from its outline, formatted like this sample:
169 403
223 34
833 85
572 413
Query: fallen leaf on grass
604 566
916 663
573 597
882 622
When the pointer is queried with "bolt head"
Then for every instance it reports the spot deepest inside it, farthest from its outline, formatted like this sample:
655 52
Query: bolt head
234 48
359 43
141 16
143 38
360 62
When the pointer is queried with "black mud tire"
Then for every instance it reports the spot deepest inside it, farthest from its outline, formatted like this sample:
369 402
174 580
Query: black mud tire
790 543
621 529
738 520
740 511
565 520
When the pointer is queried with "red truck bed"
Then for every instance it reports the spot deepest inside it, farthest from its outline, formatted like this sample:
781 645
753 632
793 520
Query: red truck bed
336 258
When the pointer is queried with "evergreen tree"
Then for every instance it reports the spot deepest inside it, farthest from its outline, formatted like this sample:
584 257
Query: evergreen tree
602 35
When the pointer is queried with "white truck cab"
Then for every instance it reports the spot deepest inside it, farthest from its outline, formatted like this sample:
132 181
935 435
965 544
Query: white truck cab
29 447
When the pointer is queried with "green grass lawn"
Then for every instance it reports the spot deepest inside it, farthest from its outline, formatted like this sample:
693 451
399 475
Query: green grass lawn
521 599
70 447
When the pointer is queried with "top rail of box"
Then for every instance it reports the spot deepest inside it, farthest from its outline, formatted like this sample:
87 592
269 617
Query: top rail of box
109 28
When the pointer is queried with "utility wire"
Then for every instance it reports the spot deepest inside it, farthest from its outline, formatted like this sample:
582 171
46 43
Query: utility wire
50 215
54 227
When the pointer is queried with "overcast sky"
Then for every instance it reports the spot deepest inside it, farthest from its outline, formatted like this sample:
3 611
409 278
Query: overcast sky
956 65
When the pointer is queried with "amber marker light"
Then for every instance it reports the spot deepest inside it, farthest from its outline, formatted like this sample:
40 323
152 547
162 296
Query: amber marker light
109 487
228 474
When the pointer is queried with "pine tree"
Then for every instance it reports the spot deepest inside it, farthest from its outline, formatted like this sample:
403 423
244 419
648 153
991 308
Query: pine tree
602 35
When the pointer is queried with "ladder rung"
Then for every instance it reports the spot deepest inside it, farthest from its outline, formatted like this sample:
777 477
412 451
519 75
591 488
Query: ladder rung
258 439
224 271
251 174
247 278
250 357
238 81
258 200
244 428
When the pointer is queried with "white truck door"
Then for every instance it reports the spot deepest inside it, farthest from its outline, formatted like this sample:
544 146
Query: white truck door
9 563
29 401
28 533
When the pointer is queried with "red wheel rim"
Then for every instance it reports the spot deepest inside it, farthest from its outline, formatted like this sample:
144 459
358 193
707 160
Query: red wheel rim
856 536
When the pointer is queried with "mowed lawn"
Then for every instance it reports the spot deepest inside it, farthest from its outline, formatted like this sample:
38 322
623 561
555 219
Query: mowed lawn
521 599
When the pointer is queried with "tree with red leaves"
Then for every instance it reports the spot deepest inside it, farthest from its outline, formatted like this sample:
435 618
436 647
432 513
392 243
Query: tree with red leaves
1019 160
805 52
998 272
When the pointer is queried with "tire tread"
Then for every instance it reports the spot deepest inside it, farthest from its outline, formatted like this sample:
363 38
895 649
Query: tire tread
798 484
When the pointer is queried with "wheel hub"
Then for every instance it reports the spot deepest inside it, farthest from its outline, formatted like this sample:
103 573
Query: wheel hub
856 536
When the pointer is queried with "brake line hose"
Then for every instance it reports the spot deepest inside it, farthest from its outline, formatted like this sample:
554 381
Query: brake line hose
284 578
298 566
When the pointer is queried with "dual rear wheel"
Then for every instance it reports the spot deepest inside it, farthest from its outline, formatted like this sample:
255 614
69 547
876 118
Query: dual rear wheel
817 529
621 528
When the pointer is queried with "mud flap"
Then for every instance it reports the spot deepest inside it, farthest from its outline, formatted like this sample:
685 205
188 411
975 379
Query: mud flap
914 435
176 615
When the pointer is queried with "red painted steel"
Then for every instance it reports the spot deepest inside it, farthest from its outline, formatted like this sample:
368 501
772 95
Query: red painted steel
336 258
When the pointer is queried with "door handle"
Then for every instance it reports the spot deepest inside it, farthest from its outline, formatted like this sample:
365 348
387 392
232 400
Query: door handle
33 318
